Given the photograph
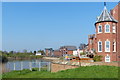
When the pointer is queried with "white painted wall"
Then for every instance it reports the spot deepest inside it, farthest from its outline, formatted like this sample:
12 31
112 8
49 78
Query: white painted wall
38 53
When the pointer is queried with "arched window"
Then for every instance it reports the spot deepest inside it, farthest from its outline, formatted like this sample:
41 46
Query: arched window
100 29
107 28
99 46
107 46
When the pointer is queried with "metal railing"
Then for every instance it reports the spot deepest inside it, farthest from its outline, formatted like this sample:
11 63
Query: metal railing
29 65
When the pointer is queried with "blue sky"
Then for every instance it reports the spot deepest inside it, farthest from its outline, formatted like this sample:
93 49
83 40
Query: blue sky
39 25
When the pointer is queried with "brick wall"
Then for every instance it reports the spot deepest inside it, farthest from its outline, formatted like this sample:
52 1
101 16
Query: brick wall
116 14
103 37
57 53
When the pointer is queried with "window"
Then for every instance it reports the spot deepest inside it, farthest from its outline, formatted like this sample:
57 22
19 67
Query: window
114 46
99 29
107 46
91 41
113 29
107 58
107 28
99 46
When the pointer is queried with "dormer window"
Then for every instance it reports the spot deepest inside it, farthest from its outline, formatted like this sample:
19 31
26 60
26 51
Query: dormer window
100 29
107 28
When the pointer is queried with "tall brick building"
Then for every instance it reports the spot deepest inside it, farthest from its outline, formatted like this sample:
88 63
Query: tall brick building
106 41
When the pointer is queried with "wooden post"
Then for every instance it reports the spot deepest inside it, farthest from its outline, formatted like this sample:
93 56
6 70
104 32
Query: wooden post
79 62
49 66
14 66
39 66
30 66
21 65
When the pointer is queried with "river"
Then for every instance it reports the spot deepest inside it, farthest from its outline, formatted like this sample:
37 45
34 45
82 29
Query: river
23 64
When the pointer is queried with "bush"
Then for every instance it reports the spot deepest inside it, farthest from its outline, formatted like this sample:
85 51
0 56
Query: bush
35 69
97 58
3 59
82 53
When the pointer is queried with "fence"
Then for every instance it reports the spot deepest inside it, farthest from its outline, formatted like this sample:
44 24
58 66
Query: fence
29 65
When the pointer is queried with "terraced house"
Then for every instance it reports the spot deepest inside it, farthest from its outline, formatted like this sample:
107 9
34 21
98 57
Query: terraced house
106 40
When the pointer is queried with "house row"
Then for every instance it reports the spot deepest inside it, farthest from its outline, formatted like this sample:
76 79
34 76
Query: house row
63 50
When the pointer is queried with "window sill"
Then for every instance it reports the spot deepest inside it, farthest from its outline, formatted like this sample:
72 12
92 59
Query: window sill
107 51
107 32
114 32
99 51
99 32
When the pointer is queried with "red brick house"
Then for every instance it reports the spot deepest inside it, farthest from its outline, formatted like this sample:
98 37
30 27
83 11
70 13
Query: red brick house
49 51
68 49
106 41
61 51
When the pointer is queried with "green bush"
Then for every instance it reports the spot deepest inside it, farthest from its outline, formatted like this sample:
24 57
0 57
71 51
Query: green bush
82 53
97 58
3 59
35 69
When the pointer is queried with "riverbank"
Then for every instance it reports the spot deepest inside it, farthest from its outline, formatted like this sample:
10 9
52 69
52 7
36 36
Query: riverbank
80 72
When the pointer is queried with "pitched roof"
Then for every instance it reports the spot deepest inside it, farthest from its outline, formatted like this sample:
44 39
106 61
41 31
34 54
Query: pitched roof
69 47
105 16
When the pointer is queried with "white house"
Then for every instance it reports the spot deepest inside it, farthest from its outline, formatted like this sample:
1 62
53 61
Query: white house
38 53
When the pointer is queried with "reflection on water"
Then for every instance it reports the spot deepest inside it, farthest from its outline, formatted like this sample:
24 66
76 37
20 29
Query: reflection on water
19 65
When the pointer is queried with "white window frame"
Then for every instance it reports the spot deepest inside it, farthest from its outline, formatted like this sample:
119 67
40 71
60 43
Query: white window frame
91 41
99 28
107 59
105 28
114 46
114 29
99 47
105 46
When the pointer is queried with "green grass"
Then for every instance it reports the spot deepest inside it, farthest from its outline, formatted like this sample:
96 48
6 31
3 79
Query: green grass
81 72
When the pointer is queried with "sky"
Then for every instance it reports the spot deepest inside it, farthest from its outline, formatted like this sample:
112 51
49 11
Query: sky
40 25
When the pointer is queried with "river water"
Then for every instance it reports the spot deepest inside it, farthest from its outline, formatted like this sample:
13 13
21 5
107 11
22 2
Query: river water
23 64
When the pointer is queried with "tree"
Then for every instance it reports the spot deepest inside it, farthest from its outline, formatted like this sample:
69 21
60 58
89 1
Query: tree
24 51
41 51
34 52
11 52
82 46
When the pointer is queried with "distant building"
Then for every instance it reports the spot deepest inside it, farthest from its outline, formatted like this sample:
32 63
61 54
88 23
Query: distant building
49 51
68 49
57 53
38 53
63 50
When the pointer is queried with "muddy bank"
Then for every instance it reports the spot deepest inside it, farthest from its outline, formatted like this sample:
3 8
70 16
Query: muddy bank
3 68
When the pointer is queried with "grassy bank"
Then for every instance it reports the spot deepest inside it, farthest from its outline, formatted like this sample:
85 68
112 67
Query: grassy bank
18 56
81 72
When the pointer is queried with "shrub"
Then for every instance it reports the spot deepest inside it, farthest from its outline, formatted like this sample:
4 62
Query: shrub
3 59
82 53
35 69
97 58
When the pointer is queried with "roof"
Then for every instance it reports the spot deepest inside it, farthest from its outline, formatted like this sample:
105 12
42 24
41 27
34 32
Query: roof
69 47
48 49
105 16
